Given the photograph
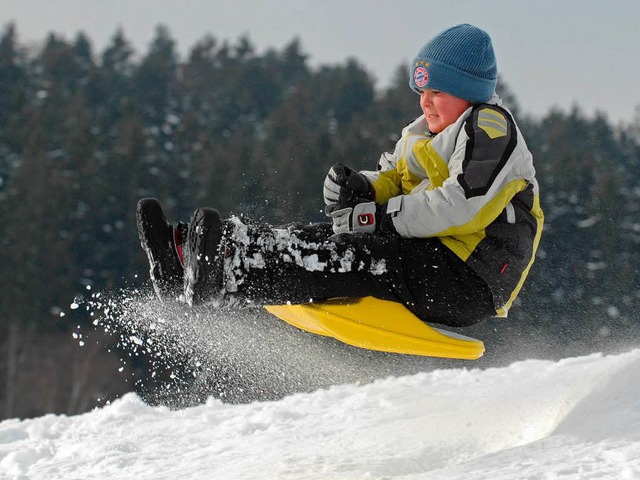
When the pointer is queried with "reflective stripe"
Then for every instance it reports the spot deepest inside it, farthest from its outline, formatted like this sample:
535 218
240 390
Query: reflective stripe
539 216
511 213
492 122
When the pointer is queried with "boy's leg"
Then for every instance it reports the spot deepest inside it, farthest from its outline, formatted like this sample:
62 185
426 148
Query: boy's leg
300 264
444 289
259 265
313 264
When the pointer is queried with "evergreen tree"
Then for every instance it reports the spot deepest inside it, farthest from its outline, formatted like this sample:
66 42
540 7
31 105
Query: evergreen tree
13 76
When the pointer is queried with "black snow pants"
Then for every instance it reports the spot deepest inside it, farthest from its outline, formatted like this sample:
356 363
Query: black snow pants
267 265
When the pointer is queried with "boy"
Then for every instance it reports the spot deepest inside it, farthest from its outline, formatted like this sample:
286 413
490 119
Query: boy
448 225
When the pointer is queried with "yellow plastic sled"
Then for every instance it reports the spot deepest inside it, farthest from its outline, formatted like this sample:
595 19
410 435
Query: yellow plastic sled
378 325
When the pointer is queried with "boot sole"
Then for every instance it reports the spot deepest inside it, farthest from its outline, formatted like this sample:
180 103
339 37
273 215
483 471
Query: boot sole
203 259
156 239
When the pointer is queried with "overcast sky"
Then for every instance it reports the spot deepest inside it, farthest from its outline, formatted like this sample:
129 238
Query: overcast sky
550 52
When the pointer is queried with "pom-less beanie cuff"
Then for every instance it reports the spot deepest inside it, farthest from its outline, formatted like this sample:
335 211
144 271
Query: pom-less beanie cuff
444 78
459 61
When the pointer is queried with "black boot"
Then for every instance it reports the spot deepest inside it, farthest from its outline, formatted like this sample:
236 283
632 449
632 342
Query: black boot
163 244
204 257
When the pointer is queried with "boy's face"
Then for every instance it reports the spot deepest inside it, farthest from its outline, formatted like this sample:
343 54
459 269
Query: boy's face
441 109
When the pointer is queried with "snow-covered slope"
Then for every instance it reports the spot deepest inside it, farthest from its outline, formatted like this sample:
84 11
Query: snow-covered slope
576 418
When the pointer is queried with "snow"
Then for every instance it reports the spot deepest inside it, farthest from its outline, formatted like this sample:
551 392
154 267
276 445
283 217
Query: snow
254 398
534 419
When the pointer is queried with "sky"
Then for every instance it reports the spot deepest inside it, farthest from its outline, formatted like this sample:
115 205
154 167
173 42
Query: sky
551 53
577 418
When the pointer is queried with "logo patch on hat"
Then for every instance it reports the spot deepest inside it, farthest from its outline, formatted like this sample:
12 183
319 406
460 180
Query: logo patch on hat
420 77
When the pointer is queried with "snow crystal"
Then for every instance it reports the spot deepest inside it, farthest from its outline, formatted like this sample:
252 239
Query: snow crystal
378 267
313 263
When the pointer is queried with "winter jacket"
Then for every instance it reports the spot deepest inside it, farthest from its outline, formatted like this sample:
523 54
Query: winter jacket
473 187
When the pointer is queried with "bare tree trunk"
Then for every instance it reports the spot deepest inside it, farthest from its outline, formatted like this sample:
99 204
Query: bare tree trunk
11 370
81 373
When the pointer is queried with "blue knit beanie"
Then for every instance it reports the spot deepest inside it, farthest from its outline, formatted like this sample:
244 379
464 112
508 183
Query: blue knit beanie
459 61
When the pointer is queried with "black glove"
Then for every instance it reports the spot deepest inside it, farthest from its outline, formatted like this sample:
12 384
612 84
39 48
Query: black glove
363 217
344 187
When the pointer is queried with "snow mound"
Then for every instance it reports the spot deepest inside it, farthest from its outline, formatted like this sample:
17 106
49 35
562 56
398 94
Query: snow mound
576 418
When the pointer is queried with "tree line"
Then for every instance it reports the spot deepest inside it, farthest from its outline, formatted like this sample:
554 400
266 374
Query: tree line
85 134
